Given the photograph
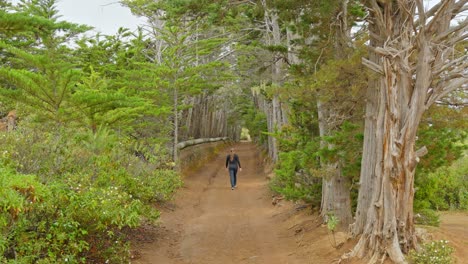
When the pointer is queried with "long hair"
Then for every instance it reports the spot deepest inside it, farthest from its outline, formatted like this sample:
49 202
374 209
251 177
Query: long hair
231 155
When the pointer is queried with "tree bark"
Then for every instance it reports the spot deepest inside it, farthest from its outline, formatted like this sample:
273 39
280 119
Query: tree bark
412 53
11 120
370 154
336 196
197 141
276 112
175 110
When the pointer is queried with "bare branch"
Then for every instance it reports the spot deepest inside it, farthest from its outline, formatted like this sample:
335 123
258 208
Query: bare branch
240 2
373 66
421 13
378 14
454 41
459 7
454 75
451 104
462 26
389 51
436 20
450 87
446 65
429 13
421 152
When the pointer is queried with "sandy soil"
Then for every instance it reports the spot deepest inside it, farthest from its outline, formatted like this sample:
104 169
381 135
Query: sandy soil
208 223
454 228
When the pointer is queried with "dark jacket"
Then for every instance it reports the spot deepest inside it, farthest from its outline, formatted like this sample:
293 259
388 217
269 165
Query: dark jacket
234 164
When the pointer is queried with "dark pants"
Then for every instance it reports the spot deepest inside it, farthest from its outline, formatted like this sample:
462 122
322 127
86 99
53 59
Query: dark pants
233 176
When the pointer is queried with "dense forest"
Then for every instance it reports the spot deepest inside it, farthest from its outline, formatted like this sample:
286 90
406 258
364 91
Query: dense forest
360 104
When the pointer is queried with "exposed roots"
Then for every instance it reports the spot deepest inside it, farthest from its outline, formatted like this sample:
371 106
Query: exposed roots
375 251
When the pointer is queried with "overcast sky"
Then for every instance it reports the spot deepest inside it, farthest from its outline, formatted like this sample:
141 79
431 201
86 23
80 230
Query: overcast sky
106 16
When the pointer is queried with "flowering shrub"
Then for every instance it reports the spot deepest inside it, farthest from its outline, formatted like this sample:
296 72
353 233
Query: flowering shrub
71 196
436 252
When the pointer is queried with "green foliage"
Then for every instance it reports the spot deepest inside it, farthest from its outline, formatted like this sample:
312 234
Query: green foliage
96 105
346 147
256 122
332 222
47 87
445 188
444 140
427 217
96 188
296 178
339 85
436 252
14 23
441 175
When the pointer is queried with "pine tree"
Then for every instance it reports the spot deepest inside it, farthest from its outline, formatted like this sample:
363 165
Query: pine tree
40 74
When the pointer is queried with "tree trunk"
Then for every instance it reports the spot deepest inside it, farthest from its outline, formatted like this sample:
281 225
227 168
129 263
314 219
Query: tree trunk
11 120
336 197
277 74
369 154
416 71
276 111
175 153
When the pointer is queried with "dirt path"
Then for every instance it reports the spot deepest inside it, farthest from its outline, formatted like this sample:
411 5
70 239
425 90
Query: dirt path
211 223
454 228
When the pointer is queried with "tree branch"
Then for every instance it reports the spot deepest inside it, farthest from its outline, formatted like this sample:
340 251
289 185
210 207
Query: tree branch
429 13
450 87
378 14
421 152
435 21
373 66
462 26
459 7
421 13
444 66
454 41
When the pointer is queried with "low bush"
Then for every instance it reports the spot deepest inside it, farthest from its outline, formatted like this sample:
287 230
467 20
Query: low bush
436 252
427 217
444 189
71 196
294 181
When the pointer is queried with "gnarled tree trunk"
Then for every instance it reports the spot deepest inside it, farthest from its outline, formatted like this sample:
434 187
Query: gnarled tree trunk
418 67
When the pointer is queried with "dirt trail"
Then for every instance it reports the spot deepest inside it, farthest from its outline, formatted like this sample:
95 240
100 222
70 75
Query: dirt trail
213 224
209 224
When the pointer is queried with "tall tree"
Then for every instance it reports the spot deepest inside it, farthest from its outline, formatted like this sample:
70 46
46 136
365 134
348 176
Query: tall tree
184 51
95 105
336 197
414 54
40 72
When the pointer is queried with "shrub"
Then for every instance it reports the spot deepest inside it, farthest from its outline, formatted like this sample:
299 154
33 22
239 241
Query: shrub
427 217
444 189
436 252
59 223
293 181
83 193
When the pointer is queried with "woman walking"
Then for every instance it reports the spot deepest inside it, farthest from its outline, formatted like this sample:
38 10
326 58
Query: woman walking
232 165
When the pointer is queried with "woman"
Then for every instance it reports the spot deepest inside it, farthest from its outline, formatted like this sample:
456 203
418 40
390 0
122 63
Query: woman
232 164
